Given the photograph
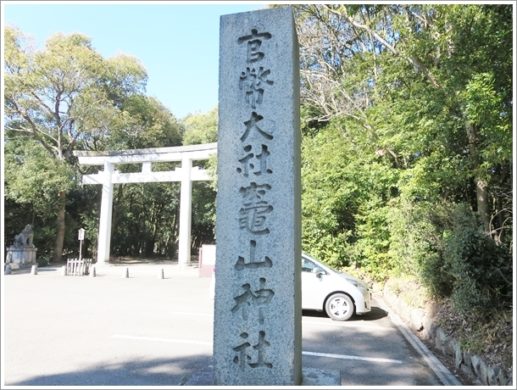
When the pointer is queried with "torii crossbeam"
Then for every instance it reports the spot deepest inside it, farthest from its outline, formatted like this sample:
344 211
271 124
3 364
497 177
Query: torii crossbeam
185 174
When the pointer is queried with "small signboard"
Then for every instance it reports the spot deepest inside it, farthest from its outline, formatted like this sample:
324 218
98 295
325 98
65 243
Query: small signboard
80 237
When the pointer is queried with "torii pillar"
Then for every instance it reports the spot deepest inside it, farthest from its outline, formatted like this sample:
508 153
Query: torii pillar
104 238
185 213
109 176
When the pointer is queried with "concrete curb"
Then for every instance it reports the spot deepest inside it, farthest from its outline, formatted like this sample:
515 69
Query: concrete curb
472 366
442 372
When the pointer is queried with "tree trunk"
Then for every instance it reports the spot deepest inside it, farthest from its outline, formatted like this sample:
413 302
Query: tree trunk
482 202
481 184
60 224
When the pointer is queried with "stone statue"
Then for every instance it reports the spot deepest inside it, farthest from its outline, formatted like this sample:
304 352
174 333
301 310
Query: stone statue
22 253
25 237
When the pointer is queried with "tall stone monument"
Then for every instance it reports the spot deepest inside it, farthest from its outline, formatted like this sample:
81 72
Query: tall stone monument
257 329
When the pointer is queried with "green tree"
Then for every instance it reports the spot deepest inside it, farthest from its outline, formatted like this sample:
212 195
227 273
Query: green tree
63 97
145 123
145 220
422 96
426 83
200 128
35 180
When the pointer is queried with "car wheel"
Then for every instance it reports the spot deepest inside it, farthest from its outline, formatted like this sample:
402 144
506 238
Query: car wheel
339 307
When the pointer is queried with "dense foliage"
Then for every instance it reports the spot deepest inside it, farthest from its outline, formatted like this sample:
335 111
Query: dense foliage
407 154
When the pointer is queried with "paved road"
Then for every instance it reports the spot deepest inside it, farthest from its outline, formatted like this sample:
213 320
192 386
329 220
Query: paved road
368 350
145 331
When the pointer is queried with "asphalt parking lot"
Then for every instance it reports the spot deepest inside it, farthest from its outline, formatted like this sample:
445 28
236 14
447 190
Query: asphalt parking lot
146 331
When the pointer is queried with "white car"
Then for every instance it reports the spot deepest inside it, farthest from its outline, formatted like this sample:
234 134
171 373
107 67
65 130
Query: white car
324 289
338 294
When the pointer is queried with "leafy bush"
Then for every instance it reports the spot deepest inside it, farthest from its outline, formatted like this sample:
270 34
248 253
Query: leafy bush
330 192
42 261
344 191
416 245
372 246
480 269
444 244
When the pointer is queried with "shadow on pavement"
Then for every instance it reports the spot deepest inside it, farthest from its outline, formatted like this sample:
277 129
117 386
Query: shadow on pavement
154 372
375 314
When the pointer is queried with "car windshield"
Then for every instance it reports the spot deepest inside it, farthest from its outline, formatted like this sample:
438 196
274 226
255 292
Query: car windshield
308 265
311 265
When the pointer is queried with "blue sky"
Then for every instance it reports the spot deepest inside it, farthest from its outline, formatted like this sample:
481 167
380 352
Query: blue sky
178 44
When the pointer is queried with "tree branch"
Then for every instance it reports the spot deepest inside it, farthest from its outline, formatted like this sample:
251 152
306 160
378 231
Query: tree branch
416 62
42 103
34 131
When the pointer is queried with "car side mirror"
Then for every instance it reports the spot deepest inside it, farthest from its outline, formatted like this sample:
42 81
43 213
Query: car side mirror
320 273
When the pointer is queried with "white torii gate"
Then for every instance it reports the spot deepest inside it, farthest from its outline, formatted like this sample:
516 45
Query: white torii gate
185 174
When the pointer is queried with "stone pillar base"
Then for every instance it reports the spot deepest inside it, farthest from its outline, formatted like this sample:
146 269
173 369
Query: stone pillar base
310 377
21 257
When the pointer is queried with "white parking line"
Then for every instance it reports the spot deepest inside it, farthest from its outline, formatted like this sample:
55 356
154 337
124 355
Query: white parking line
206 343
190 313
351 357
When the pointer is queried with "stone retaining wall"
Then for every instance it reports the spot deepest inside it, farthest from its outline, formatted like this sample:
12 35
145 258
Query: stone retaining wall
421 322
